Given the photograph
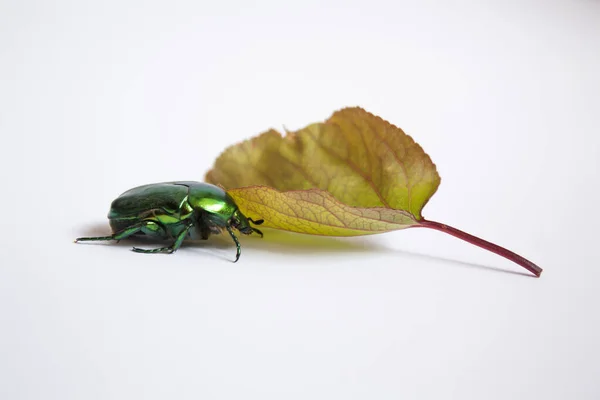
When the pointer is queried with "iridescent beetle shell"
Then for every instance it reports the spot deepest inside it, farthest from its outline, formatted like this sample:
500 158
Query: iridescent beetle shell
175 211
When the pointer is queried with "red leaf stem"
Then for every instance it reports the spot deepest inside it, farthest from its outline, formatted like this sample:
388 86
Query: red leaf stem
484 244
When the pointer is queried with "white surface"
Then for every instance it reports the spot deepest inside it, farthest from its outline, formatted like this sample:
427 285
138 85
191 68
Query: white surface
98 97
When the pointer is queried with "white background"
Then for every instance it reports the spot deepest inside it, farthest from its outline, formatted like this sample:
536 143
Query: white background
98 97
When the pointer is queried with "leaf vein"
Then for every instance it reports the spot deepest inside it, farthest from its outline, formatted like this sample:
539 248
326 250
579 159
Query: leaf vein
354 168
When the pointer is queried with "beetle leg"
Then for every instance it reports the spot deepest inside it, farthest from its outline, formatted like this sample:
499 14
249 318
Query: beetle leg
177 244
122 234
172 248
258 231
159 250
237 243
93 239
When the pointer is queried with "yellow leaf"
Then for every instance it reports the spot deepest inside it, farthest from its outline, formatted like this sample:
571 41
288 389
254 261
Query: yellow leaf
355 174
316 212
360 159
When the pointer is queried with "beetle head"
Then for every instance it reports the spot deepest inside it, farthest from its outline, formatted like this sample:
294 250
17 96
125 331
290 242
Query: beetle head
241 223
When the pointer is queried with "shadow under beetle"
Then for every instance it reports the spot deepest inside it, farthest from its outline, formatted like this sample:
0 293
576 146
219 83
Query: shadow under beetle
175 210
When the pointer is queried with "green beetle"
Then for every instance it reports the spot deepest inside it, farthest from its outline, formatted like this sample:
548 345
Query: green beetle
175 210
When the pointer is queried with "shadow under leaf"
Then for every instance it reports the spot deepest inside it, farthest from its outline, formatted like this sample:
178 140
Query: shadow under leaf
277 241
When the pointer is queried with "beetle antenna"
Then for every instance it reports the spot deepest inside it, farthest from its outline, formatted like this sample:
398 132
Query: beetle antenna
257 222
